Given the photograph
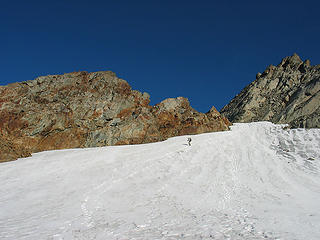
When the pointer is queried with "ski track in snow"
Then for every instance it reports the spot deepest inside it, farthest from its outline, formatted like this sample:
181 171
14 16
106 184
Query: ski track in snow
257 181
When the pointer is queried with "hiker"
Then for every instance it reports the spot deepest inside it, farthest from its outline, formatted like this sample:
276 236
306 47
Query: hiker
189 141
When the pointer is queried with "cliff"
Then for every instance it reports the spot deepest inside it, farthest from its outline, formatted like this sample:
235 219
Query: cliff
81 109
286 93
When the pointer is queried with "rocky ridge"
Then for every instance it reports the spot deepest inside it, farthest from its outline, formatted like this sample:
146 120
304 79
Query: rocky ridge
286 93
96 109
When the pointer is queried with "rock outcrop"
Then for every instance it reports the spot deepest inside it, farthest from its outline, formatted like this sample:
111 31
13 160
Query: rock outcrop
287 93
83 109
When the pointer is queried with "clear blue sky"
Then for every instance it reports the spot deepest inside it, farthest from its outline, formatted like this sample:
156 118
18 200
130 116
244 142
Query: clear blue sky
206 51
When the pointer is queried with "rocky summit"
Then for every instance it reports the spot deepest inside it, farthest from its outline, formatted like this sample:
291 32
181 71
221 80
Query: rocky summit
81 109
286 93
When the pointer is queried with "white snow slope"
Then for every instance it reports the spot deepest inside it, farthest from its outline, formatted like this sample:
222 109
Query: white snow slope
258 181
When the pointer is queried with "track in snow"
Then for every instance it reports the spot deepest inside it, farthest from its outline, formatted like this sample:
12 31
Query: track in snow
258 181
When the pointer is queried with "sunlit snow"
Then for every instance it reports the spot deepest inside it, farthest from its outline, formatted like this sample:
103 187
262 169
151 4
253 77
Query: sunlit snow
258 181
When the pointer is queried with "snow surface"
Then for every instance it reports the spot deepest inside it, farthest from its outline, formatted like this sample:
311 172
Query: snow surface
258 181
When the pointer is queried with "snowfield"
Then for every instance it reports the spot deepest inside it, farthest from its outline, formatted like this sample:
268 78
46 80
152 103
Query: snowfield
257 181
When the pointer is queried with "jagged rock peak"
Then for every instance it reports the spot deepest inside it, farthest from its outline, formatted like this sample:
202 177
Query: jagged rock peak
286 93
291 60
83 109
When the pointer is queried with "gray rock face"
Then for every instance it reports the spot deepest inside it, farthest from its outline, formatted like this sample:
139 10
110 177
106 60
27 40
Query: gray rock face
286 93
